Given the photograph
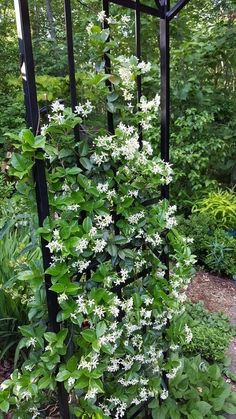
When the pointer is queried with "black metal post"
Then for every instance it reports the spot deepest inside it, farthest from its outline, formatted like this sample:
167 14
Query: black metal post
71 62
165 89
165 105
110 119
70 53
138 55
32 117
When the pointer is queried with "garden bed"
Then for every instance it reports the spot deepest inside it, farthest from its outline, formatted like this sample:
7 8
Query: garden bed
217 294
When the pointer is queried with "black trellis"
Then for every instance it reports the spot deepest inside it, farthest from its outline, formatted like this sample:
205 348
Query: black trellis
165 14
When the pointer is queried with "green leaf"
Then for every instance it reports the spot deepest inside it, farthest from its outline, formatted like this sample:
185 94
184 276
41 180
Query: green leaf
101 328
89 335
230 408
4 406
82 382
58 288
44 382
86 163
21 163
26 136
63 375
87 224
203 407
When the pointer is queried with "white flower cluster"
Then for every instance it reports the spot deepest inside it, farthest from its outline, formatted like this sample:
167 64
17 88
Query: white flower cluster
173 372
99 246
154 240
89 364
103 187
151 105
129 67
57 114
189 335
135 218
81 245
55 245
81 265
149 110
84 110
103 221
171 220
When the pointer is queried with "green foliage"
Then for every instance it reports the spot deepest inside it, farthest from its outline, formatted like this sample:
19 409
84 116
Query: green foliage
212 333
197 392
221 206
214 247
221 252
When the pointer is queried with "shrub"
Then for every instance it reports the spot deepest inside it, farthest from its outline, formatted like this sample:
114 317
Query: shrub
212 333
213 246
221 206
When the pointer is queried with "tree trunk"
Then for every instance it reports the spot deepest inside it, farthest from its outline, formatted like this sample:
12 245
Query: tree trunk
52 29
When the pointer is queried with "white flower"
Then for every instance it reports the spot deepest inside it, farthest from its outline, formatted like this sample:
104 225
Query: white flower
189 335
81 245
73 207
99 158
144 67
93 232
62 297
91 394
99 311
128 96
173 372
114 366
103 187
100 244
114 311
32 342
134 219
81 265
164 394
84 110
71 381
170 222
174 347
133 193
57 118
89 28
44 130
57 106
103 221
55 246
125 19
151 105
101 16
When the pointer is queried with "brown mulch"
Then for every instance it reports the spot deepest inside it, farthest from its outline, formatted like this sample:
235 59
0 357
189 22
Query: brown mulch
217 294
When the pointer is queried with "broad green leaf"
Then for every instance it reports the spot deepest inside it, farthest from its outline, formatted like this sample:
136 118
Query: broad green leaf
87 224
89 335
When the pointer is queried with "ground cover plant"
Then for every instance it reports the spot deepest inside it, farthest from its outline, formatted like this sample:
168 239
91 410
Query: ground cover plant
212 333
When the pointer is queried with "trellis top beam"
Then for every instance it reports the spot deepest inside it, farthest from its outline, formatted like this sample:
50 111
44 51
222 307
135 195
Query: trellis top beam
130 4
159 12
176 9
